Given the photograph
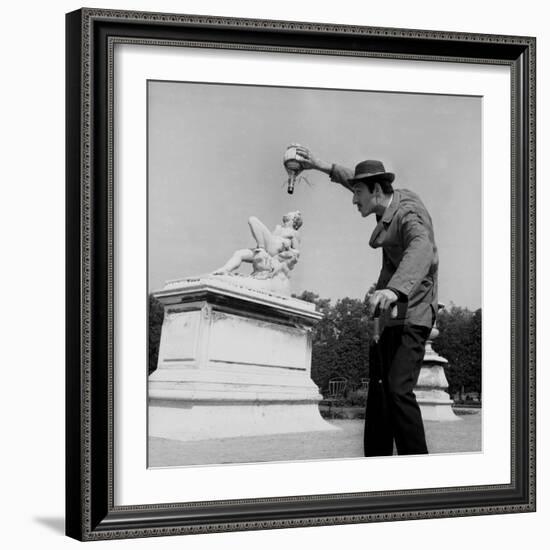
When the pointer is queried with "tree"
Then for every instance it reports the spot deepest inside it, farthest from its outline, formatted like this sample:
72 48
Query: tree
352 345
324 337
459 342
156 317
340 341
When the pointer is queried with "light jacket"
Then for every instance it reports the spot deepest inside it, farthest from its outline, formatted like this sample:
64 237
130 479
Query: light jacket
409 254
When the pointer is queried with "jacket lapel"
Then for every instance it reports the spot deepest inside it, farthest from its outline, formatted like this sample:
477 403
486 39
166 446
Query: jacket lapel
386 219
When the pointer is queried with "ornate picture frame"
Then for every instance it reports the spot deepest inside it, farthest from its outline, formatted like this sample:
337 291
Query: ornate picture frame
91 509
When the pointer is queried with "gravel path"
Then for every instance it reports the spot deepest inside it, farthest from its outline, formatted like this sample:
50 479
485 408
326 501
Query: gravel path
347 442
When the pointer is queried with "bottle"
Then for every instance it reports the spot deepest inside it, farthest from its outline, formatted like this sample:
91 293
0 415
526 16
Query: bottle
292 165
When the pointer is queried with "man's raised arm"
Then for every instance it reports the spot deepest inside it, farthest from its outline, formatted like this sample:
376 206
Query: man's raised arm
337 173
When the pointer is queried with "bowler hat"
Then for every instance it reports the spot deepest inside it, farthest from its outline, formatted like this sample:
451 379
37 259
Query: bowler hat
372 170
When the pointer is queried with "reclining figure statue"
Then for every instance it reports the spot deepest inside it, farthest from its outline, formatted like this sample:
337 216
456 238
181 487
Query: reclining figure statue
272 259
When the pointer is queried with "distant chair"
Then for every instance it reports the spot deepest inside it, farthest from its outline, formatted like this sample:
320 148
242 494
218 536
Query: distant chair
364 385
337 387
472 396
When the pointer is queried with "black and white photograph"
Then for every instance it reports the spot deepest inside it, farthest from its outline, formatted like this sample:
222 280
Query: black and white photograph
314 268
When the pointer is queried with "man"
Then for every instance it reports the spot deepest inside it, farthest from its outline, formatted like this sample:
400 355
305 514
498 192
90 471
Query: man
406 295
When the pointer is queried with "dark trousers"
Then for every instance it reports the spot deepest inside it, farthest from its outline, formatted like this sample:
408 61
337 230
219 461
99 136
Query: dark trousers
392 411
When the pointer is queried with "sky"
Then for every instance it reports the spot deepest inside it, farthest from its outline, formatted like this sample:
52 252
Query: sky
215 155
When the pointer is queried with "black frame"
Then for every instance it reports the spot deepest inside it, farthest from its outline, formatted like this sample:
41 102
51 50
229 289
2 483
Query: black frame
90 512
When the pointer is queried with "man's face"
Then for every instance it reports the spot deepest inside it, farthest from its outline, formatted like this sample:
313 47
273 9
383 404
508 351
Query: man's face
365 201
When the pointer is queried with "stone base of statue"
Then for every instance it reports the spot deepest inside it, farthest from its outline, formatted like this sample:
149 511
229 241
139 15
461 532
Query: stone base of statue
435 403
233 361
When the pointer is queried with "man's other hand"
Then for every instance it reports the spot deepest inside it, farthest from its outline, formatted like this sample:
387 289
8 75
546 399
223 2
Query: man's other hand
384 299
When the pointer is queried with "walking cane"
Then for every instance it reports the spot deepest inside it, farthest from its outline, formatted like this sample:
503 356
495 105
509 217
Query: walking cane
376 319
377 401
375 344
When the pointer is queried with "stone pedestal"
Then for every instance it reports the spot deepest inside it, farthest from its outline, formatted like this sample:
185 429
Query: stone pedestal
432 384
232 362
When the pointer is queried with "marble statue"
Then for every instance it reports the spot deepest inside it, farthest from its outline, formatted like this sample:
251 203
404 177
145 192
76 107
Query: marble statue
275 255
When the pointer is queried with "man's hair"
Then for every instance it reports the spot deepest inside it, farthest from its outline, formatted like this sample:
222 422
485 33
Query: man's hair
386 186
